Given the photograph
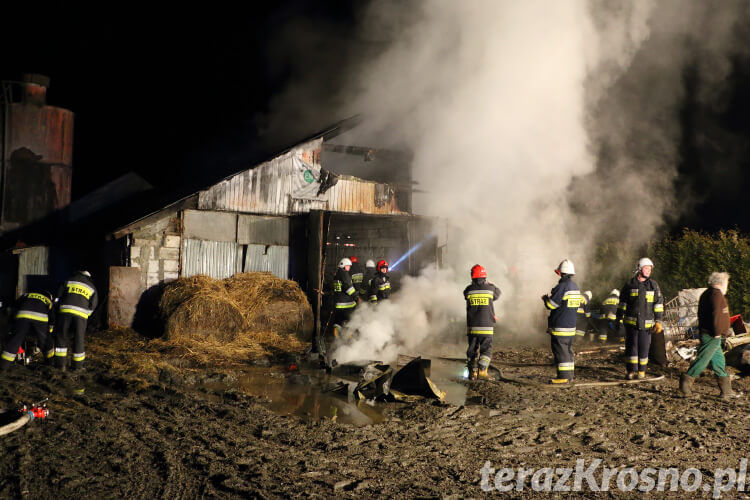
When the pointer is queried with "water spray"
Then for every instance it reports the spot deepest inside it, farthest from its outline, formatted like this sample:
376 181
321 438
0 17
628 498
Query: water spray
407 254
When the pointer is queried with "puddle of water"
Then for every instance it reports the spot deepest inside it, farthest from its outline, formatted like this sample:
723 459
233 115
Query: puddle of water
303 393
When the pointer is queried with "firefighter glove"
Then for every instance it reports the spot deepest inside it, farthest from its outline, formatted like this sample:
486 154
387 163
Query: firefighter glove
658 328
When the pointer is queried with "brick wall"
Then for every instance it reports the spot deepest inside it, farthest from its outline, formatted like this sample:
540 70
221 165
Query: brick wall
155 250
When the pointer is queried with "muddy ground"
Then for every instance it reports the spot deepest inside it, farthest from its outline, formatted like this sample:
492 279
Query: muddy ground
187 433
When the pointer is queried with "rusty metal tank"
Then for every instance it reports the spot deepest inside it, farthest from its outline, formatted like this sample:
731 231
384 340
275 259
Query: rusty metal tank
36 153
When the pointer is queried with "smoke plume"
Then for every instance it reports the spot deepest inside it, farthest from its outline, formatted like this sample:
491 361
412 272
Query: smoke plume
539 130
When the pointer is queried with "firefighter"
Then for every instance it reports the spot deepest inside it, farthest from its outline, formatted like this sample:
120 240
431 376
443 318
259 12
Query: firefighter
480 321
357 274
77 300
583 314
370 273
345 297
609 312
33 313
563 302
641 308
380 285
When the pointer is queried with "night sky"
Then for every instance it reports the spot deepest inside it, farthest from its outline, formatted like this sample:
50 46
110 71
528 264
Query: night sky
184 98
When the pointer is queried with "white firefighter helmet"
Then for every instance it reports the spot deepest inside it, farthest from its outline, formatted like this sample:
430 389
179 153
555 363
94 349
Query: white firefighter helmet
85 273
588 294
566 267
344 262
370 263
645 262
615 291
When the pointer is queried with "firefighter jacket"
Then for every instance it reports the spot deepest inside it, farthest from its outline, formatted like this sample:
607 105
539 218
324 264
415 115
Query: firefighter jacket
357 275
35 307
563 302
78 296
480 310
641 304
369 275
609 307
343 290
380 287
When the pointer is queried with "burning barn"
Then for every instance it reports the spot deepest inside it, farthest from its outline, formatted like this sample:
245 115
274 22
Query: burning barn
293 216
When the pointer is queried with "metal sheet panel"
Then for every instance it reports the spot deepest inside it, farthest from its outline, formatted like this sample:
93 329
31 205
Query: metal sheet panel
210 225
270 258
218 259
33 261
262 230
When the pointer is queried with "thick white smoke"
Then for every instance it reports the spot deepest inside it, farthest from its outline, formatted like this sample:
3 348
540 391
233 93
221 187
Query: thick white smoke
495 99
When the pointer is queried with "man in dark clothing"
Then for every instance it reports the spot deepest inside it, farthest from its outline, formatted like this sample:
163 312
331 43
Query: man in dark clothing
77 300
33 313
370 273
563 302
356 273
380 285
583 315
609 314
480 322
713 321
345 296
641 308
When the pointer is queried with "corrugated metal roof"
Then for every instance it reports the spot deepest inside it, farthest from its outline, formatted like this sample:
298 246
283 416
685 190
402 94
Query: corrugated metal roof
218 259
290 184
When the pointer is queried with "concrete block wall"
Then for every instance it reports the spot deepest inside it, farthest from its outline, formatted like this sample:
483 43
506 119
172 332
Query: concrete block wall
155 249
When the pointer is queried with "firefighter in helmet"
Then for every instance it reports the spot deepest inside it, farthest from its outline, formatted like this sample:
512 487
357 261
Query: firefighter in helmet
563 303
77 301
641 309
480 321
380 286
345 297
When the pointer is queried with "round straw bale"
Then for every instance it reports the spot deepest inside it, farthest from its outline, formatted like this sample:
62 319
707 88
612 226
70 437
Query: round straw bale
205 316
272 304
177 292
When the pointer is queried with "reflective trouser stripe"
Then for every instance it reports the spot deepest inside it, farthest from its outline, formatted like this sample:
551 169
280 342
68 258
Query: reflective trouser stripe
50 353
484 361
79 356
643 361
565 367
563 333
633 360
35 316
61 351
580 333
603 337
8 356
78 312
479 330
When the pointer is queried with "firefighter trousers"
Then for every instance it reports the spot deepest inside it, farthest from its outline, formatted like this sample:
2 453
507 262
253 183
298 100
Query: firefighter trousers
21 328
637 343
562 350
480 348
67 324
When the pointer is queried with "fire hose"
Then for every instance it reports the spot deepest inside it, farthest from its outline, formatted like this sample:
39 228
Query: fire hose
37 410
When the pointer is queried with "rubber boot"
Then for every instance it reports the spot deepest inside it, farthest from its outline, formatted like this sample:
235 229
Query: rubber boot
686 385
559 381
641 375
473 374
630 376
483 373
725 385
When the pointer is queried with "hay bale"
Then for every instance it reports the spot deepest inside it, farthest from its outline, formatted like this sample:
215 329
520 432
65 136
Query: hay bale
179 291
205 316
271 304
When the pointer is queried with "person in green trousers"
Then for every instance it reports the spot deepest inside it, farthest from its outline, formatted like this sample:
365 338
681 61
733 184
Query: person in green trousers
713 321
